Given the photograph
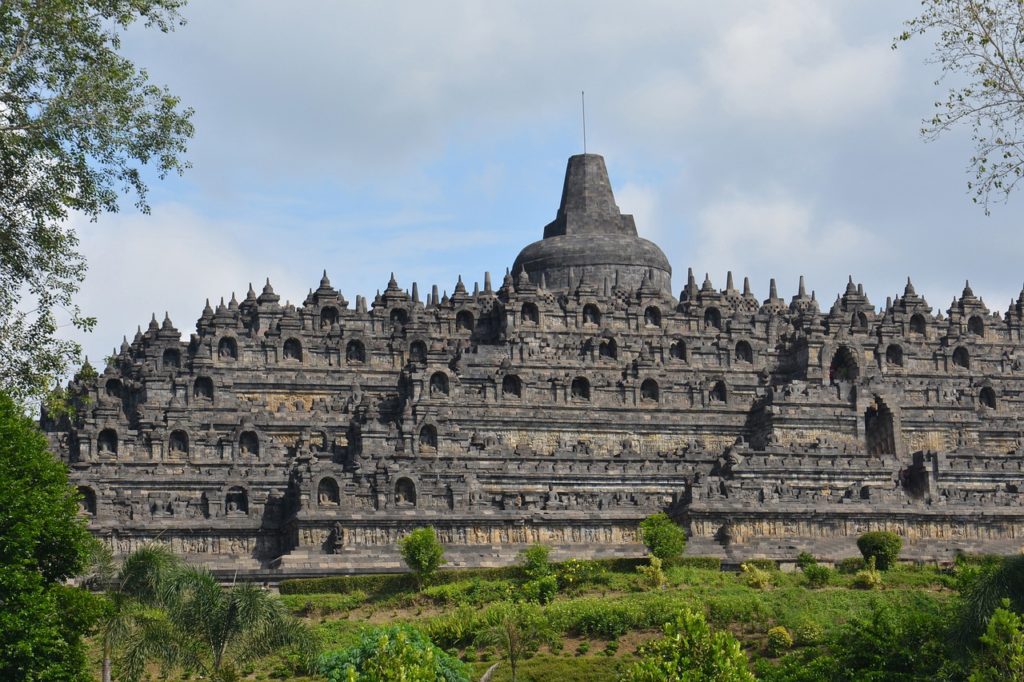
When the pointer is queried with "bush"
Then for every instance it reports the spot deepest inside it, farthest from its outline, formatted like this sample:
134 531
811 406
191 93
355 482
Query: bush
779 640
817 576
805 559
454 629
422 552
542 590
763 564
475 591
808 633
851 565
652 574
574 574
884 546
662 536
758 578
707 563
690 651
534 561
1002 648
392 653
868 578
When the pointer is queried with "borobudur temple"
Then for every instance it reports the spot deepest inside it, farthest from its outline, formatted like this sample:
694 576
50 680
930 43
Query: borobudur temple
563 406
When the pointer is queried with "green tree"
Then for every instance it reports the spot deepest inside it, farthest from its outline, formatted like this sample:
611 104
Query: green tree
883 545
134 627
517 628
422 552
978 49
396 652
983 588
217 629
1002 655
662 536
43 542
690 652
79 125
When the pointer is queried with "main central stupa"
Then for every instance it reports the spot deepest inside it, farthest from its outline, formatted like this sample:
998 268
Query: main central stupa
589 238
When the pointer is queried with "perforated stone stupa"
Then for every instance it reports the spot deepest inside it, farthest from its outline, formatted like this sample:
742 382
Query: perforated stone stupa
561 407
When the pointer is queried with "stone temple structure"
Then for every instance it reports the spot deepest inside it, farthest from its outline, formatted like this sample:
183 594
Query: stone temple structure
561 406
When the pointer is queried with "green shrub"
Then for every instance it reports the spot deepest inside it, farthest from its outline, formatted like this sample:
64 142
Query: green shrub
541 590
583 648
805 559
868 578
817 575
690 651
851 565
1002 647
808 633
574 574
454 629
662 536
311 606
763 564
708 563
422 553
755 577
884 546
534 561
611 647
475 591
391 653
779 640
652 574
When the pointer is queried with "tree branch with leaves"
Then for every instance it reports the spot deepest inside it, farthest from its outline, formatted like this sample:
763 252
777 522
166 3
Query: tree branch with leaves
978 48
79 125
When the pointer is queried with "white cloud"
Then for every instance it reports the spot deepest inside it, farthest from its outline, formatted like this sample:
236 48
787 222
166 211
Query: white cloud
169 261
769 237
791 61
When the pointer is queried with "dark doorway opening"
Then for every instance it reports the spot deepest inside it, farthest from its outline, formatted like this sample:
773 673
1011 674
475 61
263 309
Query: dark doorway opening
878 429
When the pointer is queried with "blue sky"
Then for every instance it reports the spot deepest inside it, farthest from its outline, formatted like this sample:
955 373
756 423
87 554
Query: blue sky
771 138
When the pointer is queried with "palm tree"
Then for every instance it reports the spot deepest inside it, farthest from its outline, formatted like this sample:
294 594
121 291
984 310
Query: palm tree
517 628
983 588
133 627
219 628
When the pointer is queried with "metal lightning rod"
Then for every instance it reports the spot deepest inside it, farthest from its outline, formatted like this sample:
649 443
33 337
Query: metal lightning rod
583 104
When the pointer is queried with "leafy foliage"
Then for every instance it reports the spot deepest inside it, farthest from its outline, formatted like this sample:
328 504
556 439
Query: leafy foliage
983 587
977 48
883 546
218 629
133 628
690 651
868 578
1002 654
541 584
662 536
422 552
43 542
517 629
652 574
893 643
78 125
396 652
779 640
817 575
758 578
